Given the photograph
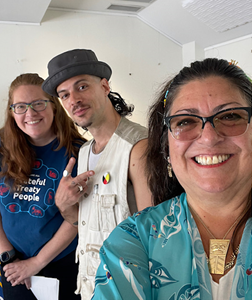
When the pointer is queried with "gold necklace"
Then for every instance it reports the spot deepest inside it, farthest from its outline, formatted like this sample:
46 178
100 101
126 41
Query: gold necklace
218 248
231 261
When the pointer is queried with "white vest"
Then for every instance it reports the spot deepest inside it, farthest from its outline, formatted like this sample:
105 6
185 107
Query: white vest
104 207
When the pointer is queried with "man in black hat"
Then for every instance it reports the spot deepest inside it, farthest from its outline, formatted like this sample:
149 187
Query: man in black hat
111 184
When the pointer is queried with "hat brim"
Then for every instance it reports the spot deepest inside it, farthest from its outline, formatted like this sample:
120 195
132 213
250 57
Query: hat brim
95 68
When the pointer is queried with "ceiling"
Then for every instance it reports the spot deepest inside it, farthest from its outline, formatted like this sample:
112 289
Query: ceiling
207 22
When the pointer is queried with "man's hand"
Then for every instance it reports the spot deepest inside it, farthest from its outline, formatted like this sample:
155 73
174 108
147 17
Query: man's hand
69 192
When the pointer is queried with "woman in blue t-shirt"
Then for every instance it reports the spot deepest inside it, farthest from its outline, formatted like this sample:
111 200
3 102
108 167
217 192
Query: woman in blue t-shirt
37 140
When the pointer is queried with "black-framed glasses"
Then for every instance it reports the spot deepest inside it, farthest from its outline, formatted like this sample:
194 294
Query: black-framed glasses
21 108
227 123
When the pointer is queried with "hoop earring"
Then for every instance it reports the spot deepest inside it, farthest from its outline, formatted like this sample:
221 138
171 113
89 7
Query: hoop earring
169 167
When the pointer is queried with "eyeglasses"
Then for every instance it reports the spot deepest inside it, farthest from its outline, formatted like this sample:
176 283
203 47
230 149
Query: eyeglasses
227 123
21 108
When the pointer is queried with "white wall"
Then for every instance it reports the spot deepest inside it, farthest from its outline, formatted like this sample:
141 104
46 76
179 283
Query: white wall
140 57
191 52
239 50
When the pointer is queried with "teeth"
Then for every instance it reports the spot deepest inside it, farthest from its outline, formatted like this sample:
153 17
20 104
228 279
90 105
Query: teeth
211 160
32 122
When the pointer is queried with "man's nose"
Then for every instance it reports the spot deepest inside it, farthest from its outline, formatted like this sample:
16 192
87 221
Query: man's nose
74 97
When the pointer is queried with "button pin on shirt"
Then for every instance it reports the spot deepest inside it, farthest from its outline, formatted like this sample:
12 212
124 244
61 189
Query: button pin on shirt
106 178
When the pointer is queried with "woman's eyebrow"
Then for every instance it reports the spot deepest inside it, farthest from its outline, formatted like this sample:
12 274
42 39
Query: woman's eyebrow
215 110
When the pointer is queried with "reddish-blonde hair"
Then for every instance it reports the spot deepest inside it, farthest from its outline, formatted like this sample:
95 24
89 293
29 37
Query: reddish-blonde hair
17 155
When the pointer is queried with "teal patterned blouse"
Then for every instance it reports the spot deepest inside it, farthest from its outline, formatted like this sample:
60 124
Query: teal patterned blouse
158 254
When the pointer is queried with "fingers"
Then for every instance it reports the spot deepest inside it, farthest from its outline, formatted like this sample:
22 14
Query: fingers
83 177
79 187
80 182
27 282
70 191
80 178
70 165
14 279
19 272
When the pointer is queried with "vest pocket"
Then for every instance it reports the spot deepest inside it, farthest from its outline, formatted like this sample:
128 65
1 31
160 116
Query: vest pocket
102 217
108 222
92 259
94 223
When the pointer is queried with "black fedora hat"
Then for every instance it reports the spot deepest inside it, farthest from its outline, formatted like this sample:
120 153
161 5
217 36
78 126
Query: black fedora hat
72 63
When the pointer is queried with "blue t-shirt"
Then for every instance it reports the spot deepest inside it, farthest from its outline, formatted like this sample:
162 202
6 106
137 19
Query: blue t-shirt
30 217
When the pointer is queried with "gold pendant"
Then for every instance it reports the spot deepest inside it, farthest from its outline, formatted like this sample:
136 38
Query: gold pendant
217 255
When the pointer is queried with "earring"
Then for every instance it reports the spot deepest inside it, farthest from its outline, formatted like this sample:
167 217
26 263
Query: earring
169 167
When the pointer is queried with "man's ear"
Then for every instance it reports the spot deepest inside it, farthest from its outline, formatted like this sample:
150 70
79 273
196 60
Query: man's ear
105 85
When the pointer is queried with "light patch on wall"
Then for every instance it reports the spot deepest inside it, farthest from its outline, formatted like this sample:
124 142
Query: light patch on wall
142 1
220 15
124 8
